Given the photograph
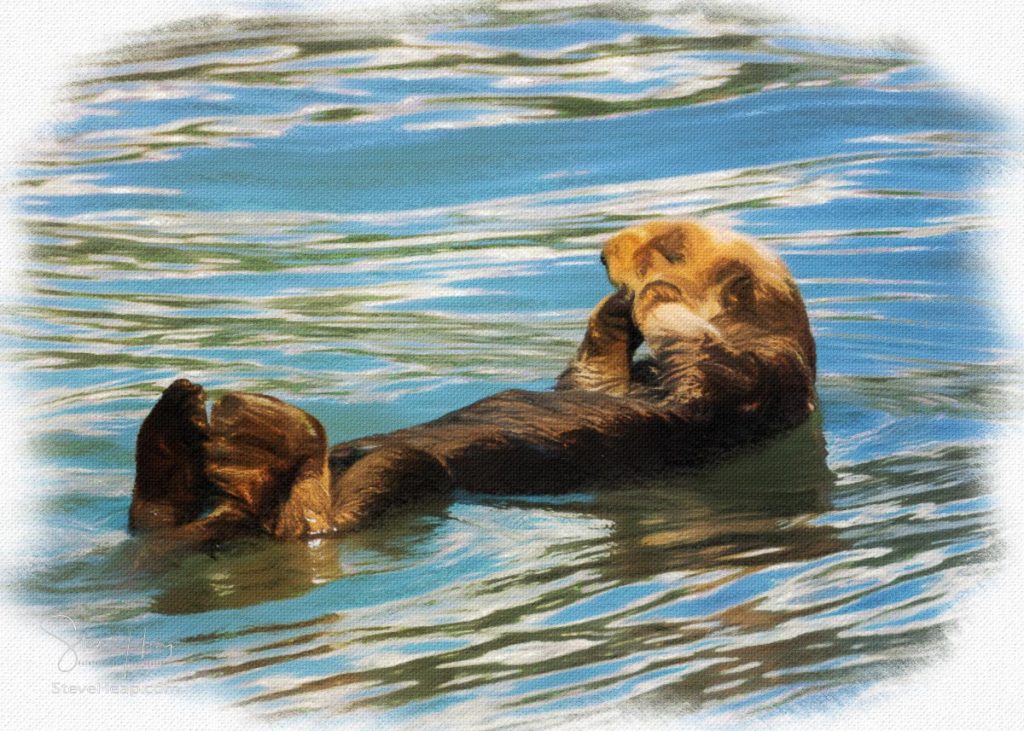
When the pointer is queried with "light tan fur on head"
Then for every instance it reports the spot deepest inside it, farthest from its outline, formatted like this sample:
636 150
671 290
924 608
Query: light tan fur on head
688 279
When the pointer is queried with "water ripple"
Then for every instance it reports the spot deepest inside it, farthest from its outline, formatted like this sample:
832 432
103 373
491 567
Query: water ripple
383 225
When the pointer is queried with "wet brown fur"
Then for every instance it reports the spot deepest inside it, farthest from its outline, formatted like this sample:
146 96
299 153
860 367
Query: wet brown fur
732 362
169 460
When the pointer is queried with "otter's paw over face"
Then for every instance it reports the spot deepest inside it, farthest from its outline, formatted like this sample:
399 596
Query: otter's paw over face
690 281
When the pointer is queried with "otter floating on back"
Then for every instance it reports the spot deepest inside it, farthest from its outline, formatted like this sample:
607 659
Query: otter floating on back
732 362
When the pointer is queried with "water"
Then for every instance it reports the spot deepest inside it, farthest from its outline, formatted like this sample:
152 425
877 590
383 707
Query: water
383 224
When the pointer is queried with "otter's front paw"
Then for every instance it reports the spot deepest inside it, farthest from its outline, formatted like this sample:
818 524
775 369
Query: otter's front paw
662 314
612 319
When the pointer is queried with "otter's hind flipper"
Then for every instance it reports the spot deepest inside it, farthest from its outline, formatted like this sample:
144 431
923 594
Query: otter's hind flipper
169 478
269 459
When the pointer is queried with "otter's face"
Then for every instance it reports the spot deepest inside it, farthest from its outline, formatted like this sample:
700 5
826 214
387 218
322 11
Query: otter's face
687 279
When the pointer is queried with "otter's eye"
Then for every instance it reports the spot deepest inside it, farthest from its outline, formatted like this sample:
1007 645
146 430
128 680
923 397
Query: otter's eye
739 292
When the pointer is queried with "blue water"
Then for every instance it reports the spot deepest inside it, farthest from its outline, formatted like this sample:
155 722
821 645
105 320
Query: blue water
381 229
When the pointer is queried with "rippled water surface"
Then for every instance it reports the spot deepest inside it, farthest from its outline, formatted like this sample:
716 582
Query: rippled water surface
383 223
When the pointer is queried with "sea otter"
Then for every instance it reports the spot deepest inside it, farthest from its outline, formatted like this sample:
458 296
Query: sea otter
732 362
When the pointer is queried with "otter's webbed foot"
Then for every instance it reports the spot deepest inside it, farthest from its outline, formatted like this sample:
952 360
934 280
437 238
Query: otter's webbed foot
259 463
269 460
169 476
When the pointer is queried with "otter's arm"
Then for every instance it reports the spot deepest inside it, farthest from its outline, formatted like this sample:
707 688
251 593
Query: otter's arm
604 358
764 384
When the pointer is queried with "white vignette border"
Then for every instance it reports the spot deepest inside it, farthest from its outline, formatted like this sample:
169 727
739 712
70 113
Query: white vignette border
976 684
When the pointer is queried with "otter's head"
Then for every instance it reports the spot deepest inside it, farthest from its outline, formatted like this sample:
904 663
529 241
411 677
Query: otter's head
714 282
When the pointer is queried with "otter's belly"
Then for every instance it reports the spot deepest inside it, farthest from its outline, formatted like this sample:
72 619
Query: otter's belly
555 441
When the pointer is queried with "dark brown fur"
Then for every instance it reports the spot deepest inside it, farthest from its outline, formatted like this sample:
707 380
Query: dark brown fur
732 362
169 460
